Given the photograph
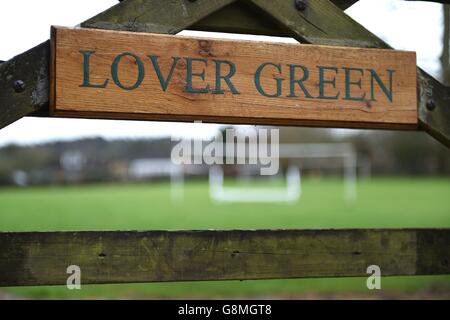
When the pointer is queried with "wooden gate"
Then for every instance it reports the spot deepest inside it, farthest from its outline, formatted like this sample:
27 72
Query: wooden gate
32 84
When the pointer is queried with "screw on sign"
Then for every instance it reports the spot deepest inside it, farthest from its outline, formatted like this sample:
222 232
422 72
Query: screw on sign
431 105
300 5
19 86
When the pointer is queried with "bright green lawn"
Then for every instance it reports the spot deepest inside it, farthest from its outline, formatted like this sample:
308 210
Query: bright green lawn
381 203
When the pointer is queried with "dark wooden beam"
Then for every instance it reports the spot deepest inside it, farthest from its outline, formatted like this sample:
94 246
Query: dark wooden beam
344 4
32 67
157 16
156 256
240 18
434 107
24 84
320 23
323 23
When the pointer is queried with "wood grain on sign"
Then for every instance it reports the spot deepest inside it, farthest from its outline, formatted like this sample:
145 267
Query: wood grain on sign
124 75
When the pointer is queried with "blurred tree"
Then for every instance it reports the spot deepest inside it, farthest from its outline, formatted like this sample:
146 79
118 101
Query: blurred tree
305 135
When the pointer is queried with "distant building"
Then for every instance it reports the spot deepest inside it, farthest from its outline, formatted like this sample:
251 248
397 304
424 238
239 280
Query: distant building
152 168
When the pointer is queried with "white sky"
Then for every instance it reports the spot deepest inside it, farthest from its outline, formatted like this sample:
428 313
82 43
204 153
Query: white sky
414 26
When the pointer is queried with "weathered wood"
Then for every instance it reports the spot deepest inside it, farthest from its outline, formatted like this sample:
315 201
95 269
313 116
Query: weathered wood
31 68
434 107
328 25
156 256
344 4
90 84
157 16
239 17
320 23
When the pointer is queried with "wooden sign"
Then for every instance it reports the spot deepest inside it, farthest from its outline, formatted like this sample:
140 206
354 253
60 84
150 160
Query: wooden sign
124 75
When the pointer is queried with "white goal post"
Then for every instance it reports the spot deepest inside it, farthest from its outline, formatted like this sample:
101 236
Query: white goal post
292 192
218 192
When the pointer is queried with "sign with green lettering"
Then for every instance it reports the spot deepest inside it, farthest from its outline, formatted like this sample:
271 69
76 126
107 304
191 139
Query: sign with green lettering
108 74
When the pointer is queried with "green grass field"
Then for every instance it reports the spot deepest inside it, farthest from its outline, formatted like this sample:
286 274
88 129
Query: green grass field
381 203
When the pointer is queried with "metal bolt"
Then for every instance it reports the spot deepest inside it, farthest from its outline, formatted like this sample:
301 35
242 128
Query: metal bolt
431 105
300 5
19 86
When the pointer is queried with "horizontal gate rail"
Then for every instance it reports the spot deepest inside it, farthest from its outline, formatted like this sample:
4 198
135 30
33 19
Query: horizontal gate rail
42 258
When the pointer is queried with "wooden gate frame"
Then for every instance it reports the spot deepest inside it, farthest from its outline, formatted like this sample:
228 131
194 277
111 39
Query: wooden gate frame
41 258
